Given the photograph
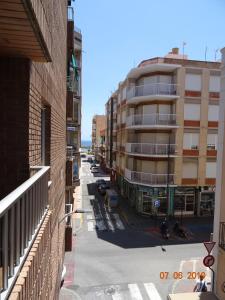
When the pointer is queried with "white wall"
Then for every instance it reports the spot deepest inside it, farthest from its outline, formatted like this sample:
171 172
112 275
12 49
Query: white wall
191 111
190 140
190 169
214 83
213 114
193 82
210 169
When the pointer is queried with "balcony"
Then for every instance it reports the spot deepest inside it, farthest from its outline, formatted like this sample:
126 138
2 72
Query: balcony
222 235
148 121
21 215
149 178
147 149
153 91
71 83
25 31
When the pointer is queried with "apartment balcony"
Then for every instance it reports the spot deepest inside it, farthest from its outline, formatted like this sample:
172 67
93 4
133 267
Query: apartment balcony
71 179
25 31
71 83
148 121
148 149
22 213
153 91
114 145
148 178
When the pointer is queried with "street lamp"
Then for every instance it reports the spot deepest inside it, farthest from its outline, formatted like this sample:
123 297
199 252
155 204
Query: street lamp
77 211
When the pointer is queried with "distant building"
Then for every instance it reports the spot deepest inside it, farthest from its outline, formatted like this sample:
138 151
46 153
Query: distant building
161 135
98 124
219 218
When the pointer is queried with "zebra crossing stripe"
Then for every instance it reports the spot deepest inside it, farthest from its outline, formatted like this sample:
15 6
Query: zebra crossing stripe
90 226
152 291
89 217
135 292
117 296
119 223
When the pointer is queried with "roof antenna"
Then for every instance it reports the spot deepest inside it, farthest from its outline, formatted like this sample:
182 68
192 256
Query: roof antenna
184 44
206 50
216 51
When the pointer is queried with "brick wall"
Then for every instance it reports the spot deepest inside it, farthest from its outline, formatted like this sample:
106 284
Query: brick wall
25 88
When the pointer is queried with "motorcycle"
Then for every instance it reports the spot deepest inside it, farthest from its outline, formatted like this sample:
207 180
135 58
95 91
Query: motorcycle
179 231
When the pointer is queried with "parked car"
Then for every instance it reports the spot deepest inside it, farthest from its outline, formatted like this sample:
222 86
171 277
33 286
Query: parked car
93 165
111 198
95 170
100 181
101 189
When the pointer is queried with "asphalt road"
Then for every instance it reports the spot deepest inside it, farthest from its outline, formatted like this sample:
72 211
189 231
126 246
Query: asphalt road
115 261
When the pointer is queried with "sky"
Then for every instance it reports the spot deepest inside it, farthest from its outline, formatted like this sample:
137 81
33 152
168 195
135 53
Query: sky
118 34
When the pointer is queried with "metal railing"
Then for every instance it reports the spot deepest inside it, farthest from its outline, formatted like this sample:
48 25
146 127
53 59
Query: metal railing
77 29
70 152
149 178
148 149
152 89
71 83
222 235
21 216
151 120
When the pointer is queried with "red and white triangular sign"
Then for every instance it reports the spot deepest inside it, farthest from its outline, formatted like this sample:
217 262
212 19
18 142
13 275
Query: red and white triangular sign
209 246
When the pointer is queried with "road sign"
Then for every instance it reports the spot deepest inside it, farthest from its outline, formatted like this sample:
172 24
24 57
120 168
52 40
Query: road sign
209 246
157 203
208 261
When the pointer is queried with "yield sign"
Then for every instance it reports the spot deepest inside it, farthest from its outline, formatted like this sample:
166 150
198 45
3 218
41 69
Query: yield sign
209 246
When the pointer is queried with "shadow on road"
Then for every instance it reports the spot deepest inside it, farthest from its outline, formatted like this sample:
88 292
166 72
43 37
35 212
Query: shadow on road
142 232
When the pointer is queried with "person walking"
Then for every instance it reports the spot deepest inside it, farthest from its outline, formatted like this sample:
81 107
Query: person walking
201 284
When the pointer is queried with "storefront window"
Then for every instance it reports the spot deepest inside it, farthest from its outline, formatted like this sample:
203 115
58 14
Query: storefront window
207 203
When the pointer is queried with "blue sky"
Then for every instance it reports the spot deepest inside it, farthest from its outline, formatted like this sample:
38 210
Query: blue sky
118 34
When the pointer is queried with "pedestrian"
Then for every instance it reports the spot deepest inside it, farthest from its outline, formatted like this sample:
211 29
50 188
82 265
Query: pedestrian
201 284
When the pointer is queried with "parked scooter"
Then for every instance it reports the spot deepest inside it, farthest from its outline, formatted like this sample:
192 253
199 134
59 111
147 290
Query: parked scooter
179 231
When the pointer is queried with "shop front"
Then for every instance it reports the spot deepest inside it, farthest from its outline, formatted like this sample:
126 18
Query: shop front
185 201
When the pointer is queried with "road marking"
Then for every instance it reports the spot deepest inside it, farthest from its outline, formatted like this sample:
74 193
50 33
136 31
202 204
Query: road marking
181 265
152 291
117 296
135 292
119 223
89 217
90 226
100 225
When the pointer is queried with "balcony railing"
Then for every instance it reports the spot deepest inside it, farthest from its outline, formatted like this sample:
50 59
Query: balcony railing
21 216
149 178
152 90
71 83
71 152
151 120
222 235
150 149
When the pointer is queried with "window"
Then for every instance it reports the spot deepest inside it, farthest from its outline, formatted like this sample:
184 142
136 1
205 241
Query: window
190 169
210 169
193 82
191 111
213 114
45 135
212 141
214 83
191 140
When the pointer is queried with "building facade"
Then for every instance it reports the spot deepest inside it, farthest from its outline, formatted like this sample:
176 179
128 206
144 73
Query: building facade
219 218
163 146
73 108
98 124
33 142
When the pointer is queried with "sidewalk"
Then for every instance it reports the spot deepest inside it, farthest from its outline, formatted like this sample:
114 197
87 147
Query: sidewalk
198 228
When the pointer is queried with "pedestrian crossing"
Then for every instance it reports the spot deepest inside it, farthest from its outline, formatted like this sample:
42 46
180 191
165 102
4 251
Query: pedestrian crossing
125 291
108 222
